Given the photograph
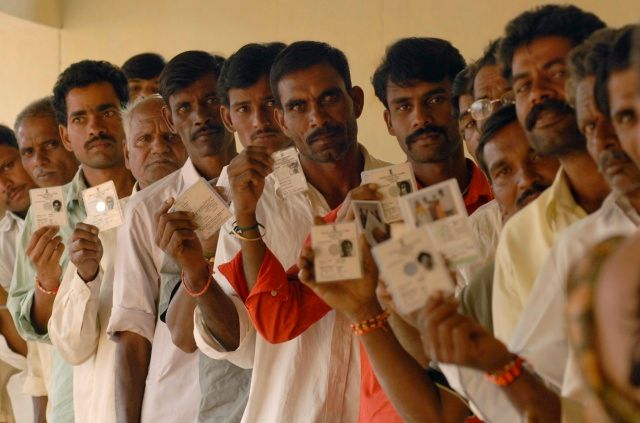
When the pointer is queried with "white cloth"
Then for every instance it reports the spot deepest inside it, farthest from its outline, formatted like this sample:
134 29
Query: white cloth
141 272
486 222
540 335
78 329
314 377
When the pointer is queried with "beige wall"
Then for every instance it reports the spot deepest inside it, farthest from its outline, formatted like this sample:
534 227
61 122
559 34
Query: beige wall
116 29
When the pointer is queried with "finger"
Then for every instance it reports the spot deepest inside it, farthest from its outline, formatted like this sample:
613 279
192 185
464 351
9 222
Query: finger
166 205
78 257
367 192
86 228
447 350
35 237
49 248
84 235
57 253
80 244
42 242
306 276
168 224
368 263
180 236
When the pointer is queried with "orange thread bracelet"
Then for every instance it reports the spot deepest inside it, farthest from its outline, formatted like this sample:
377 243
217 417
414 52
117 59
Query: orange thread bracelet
509 373
41 288
370 325
204 289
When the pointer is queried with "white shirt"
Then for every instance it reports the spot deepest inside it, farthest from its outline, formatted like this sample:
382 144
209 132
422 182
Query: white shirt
540 334
486 222
172 392
314 377
78 329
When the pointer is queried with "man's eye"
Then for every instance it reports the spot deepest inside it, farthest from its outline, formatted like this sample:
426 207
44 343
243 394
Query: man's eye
589 128
243 109
212 101
437 99
522 88
469 125
403 108
27 153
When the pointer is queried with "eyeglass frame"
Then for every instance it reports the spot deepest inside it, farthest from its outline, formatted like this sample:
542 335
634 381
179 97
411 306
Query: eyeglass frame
505 99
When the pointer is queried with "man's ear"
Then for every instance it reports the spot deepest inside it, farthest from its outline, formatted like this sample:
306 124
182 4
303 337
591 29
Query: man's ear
278 113
387 119
64 136
166 115
225 114
357 95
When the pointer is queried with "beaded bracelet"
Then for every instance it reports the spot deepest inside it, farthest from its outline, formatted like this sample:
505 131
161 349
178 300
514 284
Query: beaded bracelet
41 288
192 293
370 325
508 374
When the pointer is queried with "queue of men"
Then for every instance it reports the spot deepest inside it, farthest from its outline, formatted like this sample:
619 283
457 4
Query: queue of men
150 321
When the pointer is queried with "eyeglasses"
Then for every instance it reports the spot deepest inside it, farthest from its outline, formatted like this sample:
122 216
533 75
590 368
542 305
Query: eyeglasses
483 108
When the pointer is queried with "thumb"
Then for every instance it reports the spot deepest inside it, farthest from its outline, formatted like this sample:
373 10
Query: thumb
368 263
318 221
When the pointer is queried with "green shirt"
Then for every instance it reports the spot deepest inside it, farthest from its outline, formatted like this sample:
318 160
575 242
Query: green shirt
21 295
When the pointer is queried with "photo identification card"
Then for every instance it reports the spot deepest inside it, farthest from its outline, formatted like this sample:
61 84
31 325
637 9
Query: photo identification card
440 209
413 269
288 172
370 221
209 209
336 253
102 206
48 207
393 182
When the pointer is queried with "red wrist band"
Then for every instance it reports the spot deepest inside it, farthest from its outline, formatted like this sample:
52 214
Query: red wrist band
508 374
41 288
190 291
370 325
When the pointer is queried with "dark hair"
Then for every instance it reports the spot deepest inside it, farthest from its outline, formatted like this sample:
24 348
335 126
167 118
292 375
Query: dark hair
185 69
246 66
143 66
495 123
567 21
615 58
85 73
416 59
39 108
303 55
489 58
7 137
461 86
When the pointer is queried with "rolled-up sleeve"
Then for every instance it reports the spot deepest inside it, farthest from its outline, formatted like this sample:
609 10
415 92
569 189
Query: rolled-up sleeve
136 278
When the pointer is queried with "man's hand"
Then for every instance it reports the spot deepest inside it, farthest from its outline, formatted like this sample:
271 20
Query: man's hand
449 337
85 251
356 298
44 250
176 236
367 192
247 172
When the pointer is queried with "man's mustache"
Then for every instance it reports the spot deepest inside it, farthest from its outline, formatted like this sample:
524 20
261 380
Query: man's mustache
425 130
99 137
207 128
547 105
324 131
609 156
536 188
263 132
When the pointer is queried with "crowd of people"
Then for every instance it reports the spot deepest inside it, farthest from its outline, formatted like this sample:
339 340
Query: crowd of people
151 321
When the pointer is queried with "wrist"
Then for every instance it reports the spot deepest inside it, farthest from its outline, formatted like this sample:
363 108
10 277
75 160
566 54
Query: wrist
88 276
48 282
365 311
246 219
197 275
499 362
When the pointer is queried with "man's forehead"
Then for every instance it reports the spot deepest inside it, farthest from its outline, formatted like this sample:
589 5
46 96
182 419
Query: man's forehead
204 85
92 95
539 52
489 82
314 78
7 153
623 83
260 90
417 87
585 99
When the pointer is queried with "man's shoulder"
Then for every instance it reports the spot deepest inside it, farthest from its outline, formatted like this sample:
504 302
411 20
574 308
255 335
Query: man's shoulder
526 220
155 194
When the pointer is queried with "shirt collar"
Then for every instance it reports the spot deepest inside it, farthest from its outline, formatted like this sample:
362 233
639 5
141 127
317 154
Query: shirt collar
8 220
624 204
189 174
560 198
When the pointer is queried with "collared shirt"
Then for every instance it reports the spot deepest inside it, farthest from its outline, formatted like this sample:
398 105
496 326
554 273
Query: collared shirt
486 222
540 334
479 191
318 371
77 329
142 277
22 292
524 244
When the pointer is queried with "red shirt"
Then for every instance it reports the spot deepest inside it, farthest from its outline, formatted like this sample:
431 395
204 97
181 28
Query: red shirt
281 307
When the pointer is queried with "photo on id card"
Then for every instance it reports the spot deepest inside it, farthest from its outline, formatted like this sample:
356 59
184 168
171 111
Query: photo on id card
336 253
102 206
288 172
209 209
440 209
393 182
370 221
47 207
413 269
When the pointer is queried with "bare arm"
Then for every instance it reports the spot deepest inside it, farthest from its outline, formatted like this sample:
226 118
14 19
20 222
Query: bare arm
8 328
133 353
180 320
40 409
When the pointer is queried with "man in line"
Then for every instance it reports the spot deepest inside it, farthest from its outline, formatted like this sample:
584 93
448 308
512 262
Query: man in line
534 53
81 311
188 85
143 74
87 100
317 108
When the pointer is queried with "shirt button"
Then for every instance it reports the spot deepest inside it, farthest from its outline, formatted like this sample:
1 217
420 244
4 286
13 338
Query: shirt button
274 293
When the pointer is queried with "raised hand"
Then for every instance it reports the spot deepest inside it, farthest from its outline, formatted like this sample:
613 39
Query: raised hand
356 298
85 251
44 250
247 172
366 192
450 337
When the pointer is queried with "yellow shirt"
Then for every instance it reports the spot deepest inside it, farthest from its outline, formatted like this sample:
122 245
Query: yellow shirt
525 241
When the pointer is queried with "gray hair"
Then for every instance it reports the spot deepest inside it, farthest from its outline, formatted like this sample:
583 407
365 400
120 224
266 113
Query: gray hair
127 112
39 108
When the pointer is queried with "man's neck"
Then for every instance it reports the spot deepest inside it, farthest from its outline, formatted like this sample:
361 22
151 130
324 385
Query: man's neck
455 166
634 199
334 180
209 167
120 175
588 187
